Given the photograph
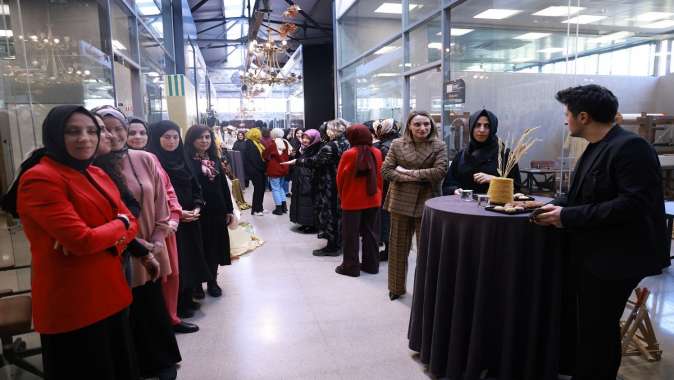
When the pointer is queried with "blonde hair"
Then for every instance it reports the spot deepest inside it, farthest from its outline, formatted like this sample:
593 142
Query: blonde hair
336 127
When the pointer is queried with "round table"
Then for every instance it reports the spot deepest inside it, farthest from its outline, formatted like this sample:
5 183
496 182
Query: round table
487 293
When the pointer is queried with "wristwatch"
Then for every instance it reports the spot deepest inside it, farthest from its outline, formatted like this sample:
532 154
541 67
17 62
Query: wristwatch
124 219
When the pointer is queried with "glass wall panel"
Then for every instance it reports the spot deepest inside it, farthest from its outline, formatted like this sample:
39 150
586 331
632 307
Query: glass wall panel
426 91
124 32
425 44
154 66
372 87
418 9
57 59
365 25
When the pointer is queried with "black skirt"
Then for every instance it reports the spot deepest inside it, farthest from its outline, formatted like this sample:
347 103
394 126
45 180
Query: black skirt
215 238
103 350
193 267
153 335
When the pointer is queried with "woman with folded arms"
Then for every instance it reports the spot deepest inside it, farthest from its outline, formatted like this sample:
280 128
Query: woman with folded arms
166 143
80 296
155 341
414 167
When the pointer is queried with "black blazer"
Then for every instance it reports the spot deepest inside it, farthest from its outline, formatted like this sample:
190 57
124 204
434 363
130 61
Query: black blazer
614 214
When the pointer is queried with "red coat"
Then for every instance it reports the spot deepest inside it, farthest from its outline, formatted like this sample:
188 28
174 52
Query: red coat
81 282
353 190
274 159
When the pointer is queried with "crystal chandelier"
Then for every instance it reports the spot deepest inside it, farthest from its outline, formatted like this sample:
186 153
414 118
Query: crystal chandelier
49 58
265 69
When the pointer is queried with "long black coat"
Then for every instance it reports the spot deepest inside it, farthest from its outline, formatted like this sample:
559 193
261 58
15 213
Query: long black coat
614 214
329 213
302 208
213 220
191 256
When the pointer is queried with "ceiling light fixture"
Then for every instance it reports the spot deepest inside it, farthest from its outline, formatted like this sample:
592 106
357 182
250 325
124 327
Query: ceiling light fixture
551 50
455 32
435 45
533 36
558 11
497 14
583 19
386 49
118 45
653 16
386 75
393 8
659 24
4 10
617 36
6 33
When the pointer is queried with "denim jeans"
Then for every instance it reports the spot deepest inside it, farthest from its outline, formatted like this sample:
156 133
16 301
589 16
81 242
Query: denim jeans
277 190
284 184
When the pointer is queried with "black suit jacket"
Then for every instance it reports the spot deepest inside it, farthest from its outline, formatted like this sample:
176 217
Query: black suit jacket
614 213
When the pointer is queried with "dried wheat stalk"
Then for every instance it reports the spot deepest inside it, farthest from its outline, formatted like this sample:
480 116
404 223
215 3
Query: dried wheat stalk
514 155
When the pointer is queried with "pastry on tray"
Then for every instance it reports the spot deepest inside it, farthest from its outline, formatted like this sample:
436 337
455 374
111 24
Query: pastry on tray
522 197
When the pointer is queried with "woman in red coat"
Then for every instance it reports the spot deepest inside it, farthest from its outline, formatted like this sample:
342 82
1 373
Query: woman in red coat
359 184
276 152
77 227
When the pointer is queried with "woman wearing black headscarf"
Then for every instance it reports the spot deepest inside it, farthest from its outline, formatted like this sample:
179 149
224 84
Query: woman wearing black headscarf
79 294
165 142
138 133
151 323
217 212
240 143
474 167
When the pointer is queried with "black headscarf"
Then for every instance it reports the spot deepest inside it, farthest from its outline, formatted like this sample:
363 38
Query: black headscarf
133 119
479 150
172 162
54 147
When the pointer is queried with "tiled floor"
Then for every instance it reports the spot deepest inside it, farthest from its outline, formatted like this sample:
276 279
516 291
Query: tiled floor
286 315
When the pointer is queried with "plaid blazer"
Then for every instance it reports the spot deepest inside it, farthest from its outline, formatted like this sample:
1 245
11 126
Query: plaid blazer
406 195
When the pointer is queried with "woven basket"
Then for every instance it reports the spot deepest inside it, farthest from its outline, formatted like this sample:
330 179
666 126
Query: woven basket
501 190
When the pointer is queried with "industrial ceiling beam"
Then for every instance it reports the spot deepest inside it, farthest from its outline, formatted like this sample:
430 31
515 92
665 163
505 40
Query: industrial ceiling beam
198 5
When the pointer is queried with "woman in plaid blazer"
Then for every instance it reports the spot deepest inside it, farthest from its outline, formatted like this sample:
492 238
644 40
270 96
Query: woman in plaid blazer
415 167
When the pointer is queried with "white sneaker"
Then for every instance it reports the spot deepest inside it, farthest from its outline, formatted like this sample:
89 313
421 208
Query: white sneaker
258 213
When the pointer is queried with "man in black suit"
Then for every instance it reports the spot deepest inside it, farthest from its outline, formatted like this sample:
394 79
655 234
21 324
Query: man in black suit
615 224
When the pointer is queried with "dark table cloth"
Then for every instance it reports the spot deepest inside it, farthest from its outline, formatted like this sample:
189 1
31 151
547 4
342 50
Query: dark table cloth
487 294
237 166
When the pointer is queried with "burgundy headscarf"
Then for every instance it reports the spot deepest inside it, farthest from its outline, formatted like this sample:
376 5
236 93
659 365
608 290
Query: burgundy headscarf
359 137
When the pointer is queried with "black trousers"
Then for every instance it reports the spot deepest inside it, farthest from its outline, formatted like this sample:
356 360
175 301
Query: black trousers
600 305
152 331
103 350
360 224
259 186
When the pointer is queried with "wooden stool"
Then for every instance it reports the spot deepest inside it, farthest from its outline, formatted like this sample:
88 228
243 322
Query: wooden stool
637 334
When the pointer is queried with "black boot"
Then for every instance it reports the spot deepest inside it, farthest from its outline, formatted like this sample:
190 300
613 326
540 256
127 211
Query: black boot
329 250
285 207
278 210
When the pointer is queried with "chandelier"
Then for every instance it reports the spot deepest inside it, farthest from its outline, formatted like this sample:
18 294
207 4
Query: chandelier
264 69
49 58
